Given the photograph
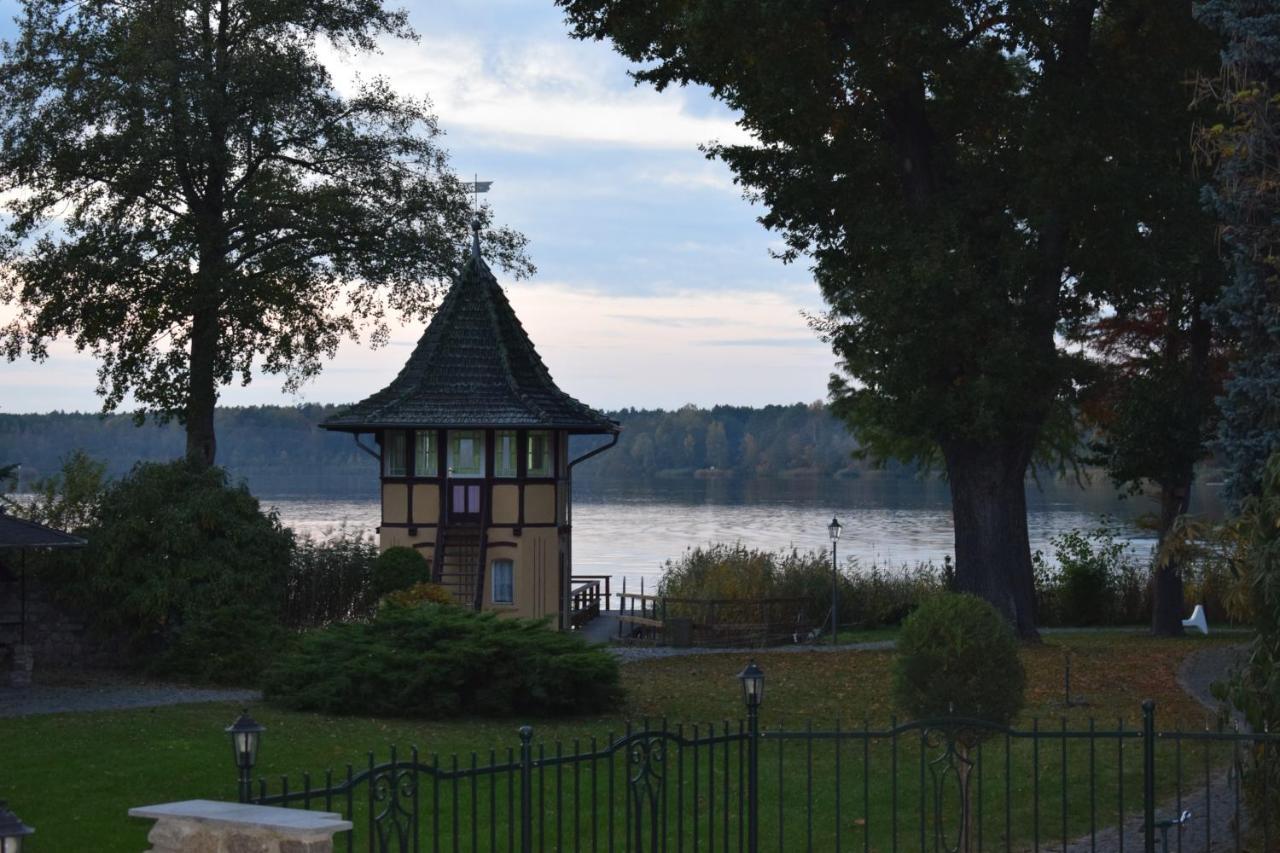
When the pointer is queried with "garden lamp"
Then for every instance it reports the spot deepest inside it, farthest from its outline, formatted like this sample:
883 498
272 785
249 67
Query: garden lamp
12 830
245 733
752 678
833 529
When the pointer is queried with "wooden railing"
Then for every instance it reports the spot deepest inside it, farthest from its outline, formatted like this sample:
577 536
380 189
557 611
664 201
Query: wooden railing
585 598
712 621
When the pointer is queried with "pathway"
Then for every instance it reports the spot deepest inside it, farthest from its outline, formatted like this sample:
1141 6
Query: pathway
97 692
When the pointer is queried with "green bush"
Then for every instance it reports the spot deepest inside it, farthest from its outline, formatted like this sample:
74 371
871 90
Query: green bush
869 597
441 661
957 655
399 568
331 580
1093 580
186 568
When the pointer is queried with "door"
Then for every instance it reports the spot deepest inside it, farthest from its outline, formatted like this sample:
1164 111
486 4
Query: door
464 502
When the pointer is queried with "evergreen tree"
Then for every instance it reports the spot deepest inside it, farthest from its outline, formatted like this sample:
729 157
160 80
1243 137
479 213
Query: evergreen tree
1246 194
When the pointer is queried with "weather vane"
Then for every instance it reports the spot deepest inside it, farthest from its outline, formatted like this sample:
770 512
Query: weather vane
478 186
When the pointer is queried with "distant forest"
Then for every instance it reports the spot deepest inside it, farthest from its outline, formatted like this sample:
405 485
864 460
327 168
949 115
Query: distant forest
279 450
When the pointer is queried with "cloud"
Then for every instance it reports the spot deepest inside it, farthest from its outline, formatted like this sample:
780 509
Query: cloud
536 92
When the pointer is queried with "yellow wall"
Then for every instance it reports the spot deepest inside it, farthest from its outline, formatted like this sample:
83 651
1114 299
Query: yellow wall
539 504
537 571
506 504
426 504
395 503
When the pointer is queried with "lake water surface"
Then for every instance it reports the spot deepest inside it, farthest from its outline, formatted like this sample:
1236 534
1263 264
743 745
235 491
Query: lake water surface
629 529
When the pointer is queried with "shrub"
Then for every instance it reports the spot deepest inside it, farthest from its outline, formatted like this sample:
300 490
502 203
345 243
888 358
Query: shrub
186 568
869 598
419 593
331 580
1095 581
399 568
957 655
438 661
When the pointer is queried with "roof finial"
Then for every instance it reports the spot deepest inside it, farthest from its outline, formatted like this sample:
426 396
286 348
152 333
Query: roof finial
477 186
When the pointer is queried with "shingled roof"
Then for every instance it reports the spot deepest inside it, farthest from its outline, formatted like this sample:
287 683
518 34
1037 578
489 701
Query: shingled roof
20 533
473 367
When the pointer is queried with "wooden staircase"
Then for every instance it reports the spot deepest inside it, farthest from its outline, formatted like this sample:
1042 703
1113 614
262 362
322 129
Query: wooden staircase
458 564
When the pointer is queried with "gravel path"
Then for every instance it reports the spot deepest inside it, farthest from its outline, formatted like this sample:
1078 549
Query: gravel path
1198 671
106 693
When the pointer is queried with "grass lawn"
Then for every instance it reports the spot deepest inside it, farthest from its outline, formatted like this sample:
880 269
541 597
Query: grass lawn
73 776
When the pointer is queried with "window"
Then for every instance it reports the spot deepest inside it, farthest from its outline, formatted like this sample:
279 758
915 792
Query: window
424 453
539 454
503 579
394 455
504 453
466 453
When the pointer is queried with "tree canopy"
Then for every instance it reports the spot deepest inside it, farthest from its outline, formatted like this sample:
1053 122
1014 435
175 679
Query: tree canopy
952 169
1244 146
191 197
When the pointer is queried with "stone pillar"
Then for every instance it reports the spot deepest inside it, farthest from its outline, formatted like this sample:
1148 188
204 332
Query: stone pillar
207 826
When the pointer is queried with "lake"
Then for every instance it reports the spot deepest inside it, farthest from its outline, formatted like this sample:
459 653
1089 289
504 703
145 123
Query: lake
627 530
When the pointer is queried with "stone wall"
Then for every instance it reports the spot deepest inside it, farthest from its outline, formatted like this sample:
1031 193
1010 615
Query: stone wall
57 637
206 826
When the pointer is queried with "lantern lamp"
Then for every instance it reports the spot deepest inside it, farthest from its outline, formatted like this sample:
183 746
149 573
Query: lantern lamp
12 830
752 678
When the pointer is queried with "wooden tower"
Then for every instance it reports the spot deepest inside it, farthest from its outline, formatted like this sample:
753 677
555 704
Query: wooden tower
473 439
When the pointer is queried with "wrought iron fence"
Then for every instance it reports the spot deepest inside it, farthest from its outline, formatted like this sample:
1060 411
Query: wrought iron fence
948 784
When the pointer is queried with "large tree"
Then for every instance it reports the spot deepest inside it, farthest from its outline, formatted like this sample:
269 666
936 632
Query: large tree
1244 146
946 165
190 198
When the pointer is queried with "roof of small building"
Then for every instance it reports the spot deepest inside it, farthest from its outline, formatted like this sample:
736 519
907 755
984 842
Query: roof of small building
474 366
20 533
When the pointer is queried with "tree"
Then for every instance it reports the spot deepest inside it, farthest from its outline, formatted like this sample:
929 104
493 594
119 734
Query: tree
918 154
1160 356
1245 151
190 198
717 444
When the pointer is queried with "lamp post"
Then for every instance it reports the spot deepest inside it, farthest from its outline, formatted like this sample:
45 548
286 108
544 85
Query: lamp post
833 529
245 733
12 830
752 680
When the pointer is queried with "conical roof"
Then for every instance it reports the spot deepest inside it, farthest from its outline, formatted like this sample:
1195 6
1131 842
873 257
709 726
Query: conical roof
474 366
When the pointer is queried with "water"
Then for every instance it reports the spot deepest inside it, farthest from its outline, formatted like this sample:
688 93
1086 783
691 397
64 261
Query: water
627 529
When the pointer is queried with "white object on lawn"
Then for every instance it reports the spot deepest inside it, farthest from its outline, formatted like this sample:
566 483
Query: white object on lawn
1197 620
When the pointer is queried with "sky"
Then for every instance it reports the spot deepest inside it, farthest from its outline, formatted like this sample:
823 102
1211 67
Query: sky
655 286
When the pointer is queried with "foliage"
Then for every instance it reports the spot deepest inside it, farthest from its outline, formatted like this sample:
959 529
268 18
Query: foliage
68 500
1255 689
1091 570
185 566
915 153
1244 148
399 568
419 593
440 661
330 580
956 655
871 597
191 199
177 752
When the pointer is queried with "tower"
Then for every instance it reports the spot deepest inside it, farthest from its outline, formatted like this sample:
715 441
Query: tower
473 439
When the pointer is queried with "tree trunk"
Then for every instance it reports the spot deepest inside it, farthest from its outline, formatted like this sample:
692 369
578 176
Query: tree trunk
993 552
1166 580
202 391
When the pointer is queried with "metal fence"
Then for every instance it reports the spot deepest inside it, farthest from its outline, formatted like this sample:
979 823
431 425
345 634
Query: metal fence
948 784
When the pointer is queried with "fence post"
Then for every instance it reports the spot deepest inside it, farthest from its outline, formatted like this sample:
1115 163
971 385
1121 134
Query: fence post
1149 776
753 780
526 789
